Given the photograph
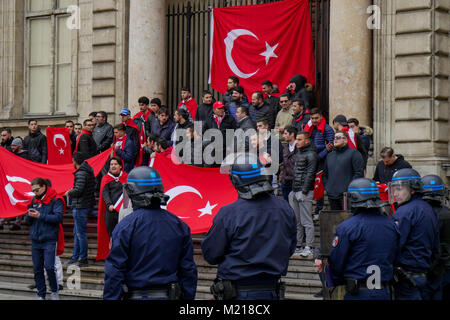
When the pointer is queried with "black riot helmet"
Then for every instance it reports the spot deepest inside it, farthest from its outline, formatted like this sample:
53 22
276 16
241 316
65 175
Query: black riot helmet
144 185
434 188
364 193
247 176
410 177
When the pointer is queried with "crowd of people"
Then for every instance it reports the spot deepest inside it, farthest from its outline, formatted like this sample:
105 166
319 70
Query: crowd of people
303 144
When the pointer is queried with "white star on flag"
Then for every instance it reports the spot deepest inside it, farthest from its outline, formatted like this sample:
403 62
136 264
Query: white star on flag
270 52
61 151
207 210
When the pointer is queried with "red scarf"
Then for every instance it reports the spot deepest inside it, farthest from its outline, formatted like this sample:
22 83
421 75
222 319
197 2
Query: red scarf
121 142
51 195
131 123
191 105
302 115
102 233
144 116
218 120
84 131
141 136
351 138
321 127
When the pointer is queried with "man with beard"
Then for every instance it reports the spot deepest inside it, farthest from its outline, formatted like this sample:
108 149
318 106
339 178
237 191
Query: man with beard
260 110
237 101
7 138
205 109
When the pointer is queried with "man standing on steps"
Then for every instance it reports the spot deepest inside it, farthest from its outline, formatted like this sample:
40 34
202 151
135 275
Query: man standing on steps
83 202
251 239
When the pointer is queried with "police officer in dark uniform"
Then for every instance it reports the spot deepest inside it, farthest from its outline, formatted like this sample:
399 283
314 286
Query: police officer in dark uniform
152 250
419 235
438 285
365 246
251 239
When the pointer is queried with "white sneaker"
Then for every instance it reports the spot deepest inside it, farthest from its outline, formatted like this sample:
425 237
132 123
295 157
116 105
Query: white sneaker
54 296
40 298
306 252
298 251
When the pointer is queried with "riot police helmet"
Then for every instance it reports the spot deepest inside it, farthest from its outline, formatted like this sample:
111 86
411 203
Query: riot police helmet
404 181
434 188
144 186
364 193
247 174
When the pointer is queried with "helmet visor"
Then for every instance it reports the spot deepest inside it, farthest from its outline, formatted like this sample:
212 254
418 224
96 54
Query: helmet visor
399 192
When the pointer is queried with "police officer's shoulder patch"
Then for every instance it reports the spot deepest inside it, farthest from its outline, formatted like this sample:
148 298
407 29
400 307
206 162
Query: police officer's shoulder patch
335 242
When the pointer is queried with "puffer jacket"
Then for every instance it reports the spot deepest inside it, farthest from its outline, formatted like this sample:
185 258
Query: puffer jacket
287 174
305 169
46 228
82 193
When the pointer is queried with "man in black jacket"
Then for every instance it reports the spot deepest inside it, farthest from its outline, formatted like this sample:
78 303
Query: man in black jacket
85 142
244 121
83 202
342 166
260 110
302 195
389 164
205 109
274 102
73 136
298 89
103 133
301 114
36 143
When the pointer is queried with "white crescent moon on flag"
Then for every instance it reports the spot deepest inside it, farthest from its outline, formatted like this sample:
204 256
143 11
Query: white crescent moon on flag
229 44
175 192
59 136
10 189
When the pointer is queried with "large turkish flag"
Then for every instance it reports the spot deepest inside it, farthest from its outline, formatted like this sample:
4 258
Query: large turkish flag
16 175
196 194
58 146
261 42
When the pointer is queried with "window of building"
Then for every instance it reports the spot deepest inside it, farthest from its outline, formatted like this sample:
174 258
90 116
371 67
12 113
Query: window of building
49 55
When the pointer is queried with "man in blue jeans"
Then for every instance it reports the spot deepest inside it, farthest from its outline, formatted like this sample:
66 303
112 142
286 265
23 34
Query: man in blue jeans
83 201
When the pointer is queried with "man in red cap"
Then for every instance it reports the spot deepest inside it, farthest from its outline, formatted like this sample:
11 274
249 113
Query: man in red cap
222 121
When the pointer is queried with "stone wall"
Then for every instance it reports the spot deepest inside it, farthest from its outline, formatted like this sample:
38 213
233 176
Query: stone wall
412 82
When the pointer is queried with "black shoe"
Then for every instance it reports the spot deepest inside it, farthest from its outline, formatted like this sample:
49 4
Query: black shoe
319 294
15 227
60 287
83 263
32 286
72 261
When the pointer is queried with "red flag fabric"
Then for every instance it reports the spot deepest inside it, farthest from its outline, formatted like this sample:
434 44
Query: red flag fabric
384 194
319 190
102 233
196 194
58 146
16 175
191 105
261 42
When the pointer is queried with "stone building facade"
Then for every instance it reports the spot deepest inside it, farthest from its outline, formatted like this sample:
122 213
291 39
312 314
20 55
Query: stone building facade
394 78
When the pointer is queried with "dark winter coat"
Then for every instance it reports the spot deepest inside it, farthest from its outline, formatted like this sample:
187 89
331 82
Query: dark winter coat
342 166
128 155
36 144
163 131
103 137
287 174
301 92
83 190
87 146
305 169
260 113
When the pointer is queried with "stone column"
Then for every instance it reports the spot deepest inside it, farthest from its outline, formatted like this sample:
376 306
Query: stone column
350 60
147 51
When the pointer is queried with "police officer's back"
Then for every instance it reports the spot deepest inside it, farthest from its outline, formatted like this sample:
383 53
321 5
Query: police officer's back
419 234
152 251
251 239
365 244
438 278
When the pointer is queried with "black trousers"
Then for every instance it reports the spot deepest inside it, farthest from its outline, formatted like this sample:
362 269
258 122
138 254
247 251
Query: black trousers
111 221
336 204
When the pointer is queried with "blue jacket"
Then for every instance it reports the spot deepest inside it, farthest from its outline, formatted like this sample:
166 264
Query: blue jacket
366 239
252 239
419 229
319 140
164 131
46 228
232 108
150 247
128 155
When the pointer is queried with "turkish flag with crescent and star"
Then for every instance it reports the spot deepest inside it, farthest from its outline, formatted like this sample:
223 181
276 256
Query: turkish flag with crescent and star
16 175
196 194
58 146
261 42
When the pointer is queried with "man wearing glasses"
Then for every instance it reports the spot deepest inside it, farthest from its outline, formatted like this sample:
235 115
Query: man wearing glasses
342 166
284 117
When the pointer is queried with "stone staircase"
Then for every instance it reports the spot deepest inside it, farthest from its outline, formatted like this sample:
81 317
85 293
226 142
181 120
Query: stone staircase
16 268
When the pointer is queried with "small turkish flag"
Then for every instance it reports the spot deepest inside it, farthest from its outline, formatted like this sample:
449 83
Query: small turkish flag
319 190
58 146
196 194
261 42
